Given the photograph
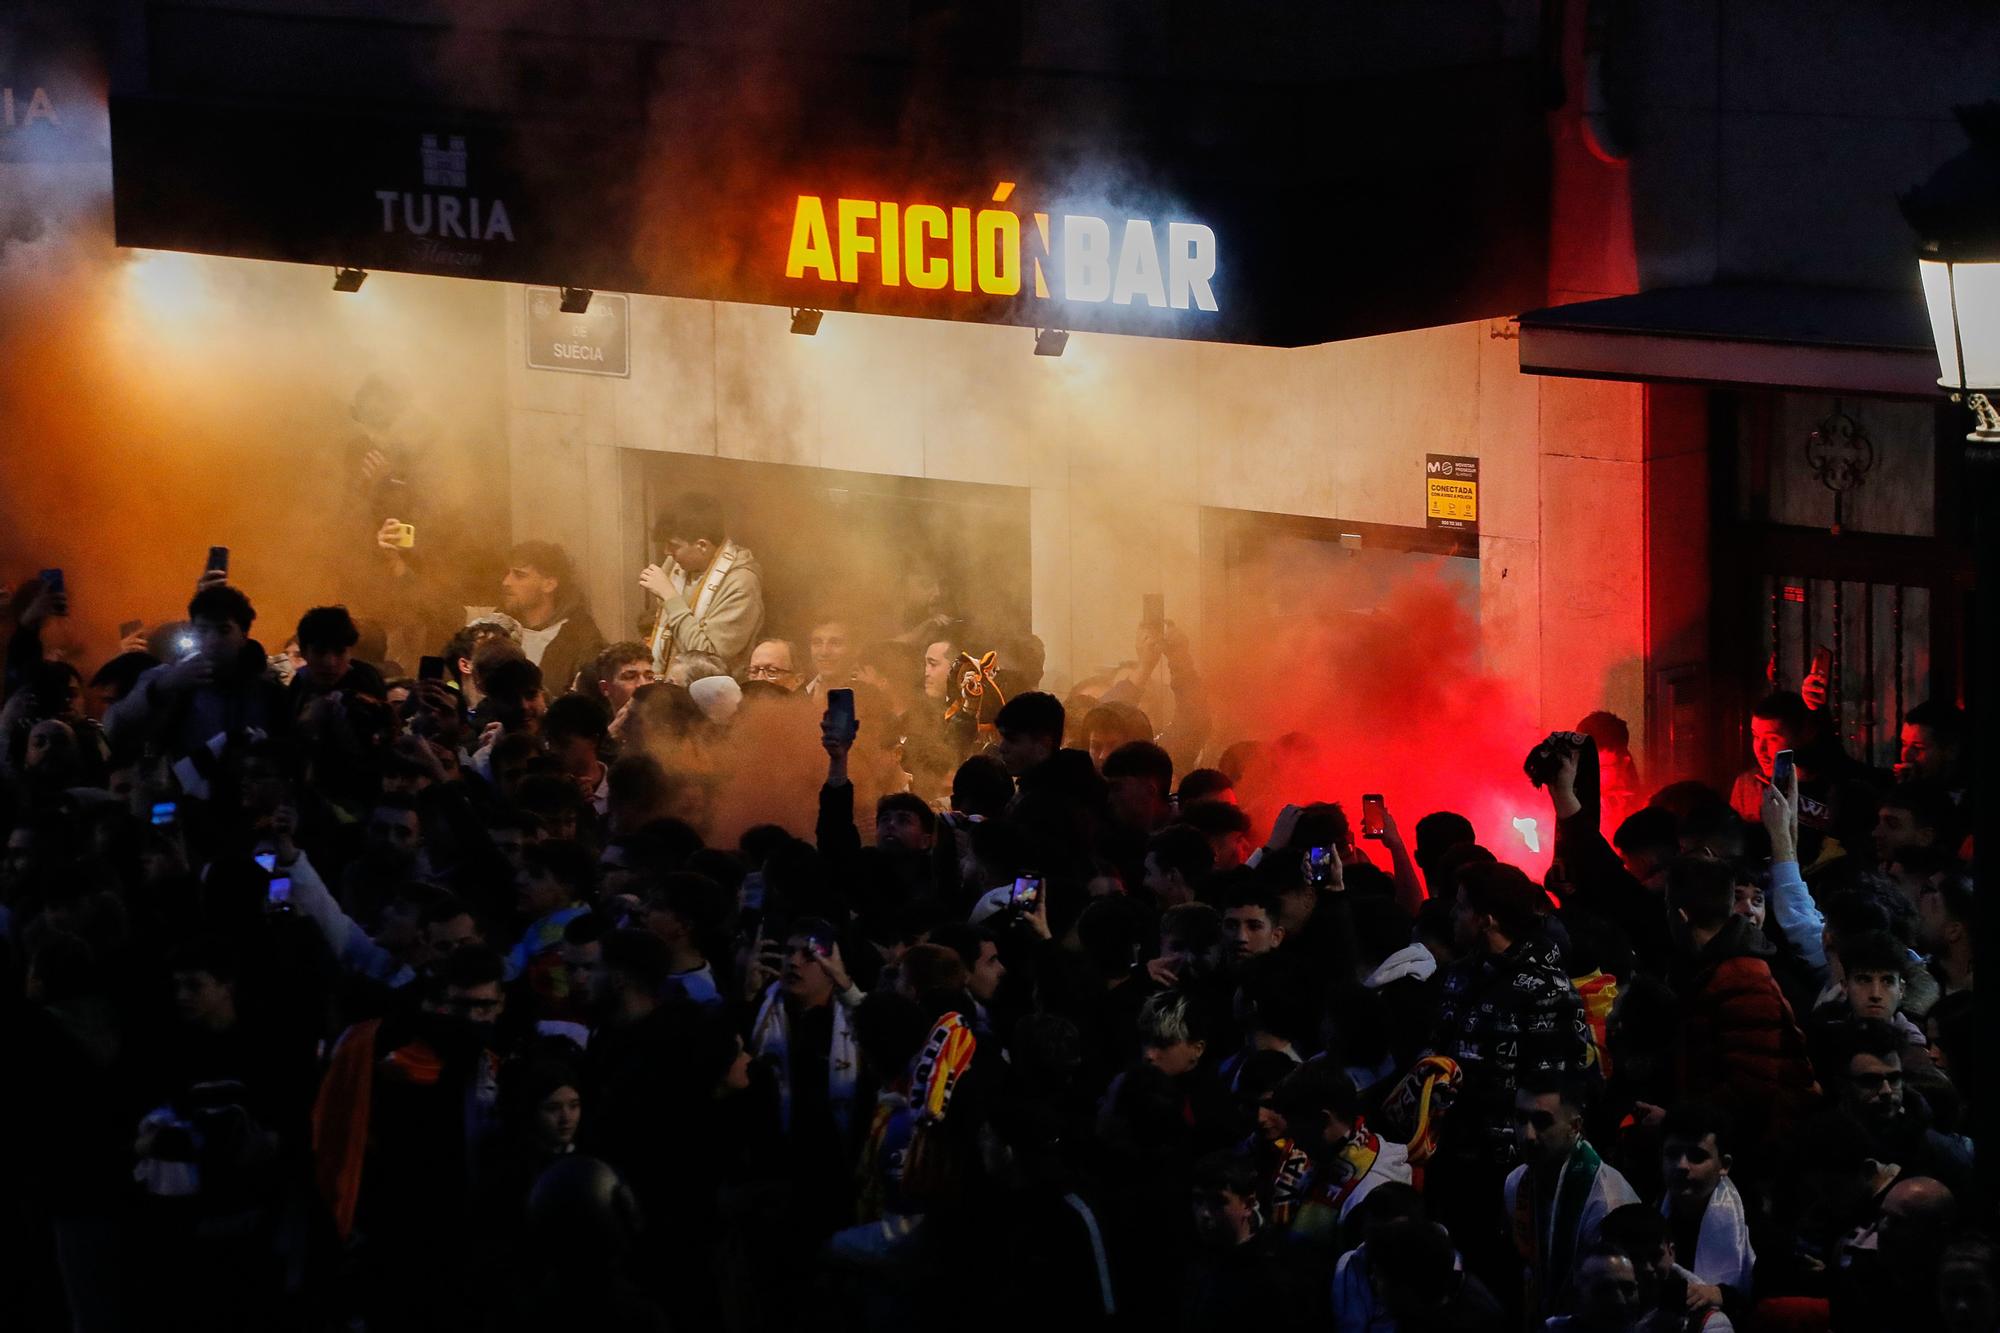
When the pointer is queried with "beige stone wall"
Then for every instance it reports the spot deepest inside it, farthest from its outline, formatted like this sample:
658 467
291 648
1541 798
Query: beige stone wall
1120 442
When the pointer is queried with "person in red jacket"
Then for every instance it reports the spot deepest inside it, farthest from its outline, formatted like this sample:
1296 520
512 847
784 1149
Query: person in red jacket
1740 1045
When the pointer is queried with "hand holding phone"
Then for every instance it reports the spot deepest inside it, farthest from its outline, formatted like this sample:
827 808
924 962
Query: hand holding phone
1785 772
1374 815
1318 866
218 561
1027 894
1819 679
430 668
841 721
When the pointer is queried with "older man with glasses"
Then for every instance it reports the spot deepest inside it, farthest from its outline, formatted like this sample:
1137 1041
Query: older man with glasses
776 662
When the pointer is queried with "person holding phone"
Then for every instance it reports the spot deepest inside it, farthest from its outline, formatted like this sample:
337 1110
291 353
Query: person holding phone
1836 791
222 689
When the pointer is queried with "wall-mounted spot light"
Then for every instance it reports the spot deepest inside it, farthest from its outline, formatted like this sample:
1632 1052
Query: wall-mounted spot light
806 321
1050 342
346 279
576 300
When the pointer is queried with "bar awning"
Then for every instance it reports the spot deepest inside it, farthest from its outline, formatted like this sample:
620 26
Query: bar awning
1773 335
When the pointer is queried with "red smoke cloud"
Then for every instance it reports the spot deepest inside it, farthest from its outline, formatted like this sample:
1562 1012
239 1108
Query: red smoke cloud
1392 700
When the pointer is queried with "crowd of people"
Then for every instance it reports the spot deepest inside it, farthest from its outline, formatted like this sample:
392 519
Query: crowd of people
348 992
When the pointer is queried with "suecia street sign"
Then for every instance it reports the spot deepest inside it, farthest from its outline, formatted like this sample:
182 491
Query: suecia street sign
597 342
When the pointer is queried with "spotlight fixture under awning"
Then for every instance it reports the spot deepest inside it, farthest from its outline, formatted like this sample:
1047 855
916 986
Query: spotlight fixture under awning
576 300
349 279
1050 342
806 321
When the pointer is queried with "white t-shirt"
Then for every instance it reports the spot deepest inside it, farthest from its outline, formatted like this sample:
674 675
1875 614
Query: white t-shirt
535 642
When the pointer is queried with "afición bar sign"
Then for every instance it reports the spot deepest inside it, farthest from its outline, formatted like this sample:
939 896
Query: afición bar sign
996 251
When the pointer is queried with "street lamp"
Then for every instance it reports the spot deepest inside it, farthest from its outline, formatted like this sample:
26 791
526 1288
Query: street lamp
1962 292
1957 217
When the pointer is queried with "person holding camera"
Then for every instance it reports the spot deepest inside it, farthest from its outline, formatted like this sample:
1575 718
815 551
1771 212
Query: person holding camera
221 686
1590 878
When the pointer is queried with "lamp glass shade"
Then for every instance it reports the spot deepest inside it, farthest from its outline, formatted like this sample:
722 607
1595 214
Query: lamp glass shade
1964 302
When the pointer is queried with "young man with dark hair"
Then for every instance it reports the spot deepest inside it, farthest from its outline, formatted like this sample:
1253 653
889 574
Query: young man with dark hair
1740 1045
1507 1006
1031 731
1778 722
1506 1009
1140 776
1178 861
326 638
1932 747
977 948
803 1030
1225 826
513 691
464 649
1206 784
557 882
1252 916
1439 833
1646 841
1706 1216
711 590
1242 1277
221 686
541 590
619 671
1945 913
905 820
1872 971
405 1102
1870 1084
1558 1198
938 664
689 912
574 730
1322 1114
1621 887
981 787
447 925
830 649
1914 814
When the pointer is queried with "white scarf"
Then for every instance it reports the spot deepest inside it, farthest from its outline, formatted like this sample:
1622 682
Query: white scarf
663 641
1722 1253
1412 960
771 1041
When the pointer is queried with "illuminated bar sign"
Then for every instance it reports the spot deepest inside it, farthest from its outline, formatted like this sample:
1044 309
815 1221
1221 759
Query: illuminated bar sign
1079 238
1075 258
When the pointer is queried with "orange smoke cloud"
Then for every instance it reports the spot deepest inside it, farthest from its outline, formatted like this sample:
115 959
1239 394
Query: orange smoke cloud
159 404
